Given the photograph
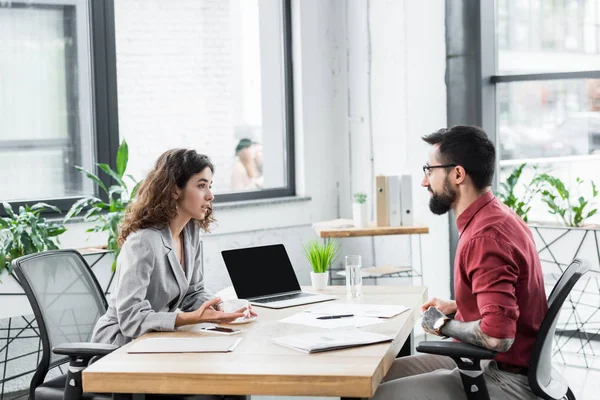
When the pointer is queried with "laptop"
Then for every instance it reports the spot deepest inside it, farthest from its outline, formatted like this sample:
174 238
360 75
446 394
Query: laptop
265 277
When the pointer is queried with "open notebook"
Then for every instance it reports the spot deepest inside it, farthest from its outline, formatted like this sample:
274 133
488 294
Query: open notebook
336 339
185 345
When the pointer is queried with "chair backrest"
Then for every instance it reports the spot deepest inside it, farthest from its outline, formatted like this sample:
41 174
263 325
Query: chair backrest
541 378
66 300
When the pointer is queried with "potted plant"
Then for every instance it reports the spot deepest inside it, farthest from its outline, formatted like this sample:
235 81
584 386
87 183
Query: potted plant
107 215
508 192
560 242
23 232
321 256
359 210
27 232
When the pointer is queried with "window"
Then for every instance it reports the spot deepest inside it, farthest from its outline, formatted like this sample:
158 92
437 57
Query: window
50 102
547 88
211 75
214 76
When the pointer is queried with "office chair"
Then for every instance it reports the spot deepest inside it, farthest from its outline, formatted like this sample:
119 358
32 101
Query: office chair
67 301
544 380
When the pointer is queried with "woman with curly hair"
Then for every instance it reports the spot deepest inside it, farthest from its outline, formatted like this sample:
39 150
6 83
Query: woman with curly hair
159 266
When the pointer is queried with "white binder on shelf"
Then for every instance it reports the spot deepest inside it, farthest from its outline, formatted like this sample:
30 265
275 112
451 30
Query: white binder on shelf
393 201
406 208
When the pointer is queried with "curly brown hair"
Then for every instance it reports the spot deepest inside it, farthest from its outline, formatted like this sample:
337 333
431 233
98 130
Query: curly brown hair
155 205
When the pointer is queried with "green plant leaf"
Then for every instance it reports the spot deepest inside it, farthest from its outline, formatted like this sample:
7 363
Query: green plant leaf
106 168
9 210
43 206
321 256
122 158
92 177
56 231
3 263
135 190
79 205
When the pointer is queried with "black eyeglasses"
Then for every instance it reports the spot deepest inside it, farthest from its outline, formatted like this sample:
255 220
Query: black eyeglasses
427 168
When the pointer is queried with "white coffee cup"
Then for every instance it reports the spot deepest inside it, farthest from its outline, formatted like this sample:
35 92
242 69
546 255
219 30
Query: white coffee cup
233 305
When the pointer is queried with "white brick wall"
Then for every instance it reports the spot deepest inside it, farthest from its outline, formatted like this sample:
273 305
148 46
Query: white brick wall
175 75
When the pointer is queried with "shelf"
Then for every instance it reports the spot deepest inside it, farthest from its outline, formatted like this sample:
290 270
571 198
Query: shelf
378 273
343 228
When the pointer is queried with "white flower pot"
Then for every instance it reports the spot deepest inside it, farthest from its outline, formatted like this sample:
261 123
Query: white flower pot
359 215
319 280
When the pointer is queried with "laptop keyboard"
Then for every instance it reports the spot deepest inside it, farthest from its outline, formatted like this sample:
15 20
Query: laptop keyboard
284 297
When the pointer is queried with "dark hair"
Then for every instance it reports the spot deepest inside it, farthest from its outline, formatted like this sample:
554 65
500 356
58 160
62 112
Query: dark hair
469 147
154 205
242 144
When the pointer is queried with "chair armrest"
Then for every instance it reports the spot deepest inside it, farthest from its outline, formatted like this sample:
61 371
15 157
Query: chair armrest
85 349
456 349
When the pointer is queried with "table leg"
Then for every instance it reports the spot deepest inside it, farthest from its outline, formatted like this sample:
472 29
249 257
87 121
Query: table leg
406 349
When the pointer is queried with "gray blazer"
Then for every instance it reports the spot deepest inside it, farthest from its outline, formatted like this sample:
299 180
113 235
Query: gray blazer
151 284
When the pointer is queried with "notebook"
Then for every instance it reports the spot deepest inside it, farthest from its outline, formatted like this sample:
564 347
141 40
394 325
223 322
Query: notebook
185 345
316 342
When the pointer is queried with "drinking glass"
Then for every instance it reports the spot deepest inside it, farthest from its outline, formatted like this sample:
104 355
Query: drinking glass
353 276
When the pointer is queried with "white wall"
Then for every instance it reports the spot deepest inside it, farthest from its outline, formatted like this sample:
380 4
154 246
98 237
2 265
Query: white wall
397 94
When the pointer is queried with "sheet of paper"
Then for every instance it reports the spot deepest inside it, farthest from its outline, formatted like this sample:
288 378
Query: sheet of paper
310 319
315 342
359 310
185 345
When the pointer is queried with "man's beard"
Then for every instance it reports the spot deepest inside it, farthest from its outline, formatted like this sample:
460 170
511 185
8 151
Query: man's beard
441 203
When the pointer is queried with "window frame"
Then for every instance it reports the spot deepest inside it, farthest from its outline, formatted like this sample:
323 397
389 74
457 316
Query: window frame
104 92
290 156
490 77
105 104
471 78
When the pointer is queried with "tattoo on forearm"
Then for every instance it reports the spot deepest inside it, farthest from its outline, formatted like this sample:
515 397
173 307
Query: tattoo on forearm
470 332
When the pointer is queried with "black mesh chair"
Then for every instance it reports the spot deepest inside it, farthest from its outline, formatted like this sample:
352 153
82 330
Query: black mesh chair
67 301
544 380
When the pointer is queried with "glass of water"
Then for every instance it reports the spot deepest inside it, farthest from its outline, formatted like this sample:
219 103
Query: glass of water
353 276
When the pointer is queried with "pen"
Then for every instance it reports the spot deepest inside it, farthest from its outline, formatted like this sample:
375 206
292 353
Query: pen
336 316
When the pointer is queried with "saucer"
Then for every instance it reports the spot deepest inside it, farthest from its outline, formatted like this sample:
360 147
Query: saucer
243 320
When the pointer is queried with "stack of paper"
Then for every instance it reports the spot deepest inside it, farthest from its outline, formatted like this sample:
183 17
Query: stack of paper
360 310
316 342
185 345
310 319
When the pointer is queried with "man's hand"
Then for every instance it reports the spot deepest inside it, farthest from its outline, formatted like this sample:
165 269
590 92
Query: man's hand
446 307
431 315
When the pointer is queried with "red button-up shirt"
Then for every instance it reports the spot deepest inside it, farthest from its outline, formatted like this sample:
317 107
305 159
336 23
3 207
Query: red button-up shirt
498 277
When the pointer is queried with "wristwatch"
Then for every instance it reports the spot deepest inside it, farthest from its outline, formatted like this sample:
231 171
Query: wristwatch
439 324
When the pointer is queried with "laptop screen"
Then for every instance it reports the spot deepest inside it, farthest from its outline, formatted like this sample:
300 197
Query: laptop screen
260 271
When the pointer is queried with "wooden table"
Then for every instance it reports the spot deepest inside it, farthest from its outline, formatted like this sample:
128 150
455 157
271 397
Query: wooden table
260 367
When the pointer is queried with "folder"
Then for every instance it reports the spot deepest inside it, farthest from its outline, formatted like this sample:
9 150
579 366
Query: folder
317 342
185 345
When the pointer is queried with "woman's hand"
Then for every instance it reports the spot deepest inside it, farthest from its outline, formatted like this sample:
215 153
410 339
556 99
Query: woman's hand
252 313
446 307
208 313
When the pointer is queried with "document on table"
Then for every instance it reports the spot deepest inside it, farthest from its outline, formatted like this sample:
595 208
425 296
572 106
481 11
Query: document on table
359 310
185 345
310 319
336 339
